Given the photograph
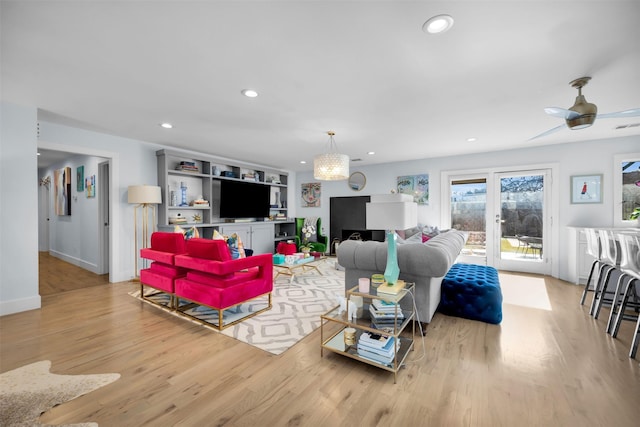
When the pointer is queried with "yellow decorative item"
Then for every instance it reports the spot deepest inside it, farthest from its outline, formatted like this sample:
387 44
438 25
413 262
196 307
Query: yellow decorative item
391 289
377 280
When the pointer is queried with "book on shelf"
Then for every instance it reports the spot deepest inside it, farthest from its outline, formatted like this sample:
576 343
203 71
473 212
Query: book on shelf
377 314
375 340
385 360
391 289
387 350
384 306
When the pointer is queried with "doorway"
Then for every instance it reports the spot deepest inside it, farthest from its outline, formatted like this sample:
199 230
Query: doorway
506 215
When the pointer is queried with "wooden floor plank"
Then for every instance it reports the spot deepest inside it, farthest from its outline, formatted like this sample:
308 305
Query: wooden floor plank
552 366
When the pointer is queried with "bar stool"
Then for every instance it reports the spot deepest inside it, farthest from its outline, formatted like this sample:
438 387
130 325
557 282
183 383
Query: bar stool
593 249
609 259
630 266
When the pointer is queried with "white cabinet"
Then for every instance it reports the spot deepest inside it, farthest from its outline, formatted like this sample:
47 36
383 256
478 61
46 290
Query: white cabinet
578 259
257 237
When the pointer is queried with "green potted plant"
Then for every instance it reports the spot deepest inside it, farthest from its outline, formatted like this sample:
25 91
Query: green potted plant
635 214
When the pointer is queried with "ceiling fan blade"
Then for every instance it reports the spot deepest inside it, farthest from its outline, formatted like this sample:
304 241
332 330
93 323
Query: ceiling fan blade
550 131
562 113
626 113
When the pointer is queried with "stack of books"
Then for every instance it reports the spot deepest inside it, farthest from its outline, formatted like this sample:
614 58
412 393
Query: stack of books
178 220
383 314
378 348
391 289
187 167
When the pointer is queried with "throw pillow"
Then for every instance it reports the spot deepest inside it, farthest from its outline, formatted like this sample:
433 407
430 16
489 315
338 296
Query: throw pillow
236 247
401 234
188 234
411 232
217 236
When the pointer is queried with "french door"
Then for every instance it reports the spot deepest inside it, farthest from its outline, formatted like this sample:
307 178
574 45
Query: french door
506 216
522 221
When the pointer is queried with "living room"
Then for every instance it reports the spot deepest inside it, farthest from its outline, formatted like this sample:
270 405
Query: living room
28 126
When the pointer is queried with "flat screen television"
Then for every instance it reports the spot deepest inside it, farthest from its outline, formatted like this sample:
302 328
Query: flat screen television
241 199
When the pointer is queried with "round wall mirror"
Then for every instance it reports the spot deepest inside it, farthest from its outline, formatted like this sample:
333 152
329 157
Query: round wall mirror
357 181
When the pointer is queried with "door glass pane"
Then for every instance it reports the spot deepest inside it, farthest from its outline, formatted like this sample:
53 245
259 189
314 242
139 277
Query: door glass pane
630 190
468 213
521 201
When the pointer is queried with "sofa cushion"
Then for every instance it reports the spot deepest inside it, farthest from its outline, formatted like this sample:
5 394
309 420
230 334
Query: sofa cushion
223 281
215 250
167 270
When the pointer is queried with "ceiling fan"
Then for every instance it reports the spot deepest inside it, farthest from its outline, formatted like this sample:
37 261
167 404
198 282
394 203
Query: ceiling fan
582 114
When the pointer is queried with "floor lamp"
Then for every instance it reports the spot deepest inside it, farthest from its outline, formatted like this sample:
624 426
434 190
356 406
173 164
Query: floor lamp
145 197
391 212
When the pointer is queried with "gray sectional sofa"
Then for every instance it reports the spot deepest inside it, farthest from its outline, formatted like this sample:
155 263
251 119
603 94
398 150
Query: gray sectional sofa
425 264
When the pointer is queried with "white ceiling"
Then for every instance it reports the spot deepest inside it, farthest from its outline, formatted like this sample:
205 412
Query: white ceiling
363 69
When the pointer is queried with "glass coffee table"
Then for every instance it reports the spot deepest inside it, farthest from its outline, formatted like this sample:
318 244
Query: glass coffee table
296 269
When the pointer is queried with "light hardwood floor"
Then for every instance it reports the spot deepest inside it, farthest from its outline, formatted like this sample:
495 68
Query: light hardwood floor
56 275
547 366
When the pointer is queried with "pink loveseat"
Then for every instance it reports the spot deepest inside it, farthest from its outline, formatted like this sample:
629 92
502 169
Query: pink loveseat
162 273
215 280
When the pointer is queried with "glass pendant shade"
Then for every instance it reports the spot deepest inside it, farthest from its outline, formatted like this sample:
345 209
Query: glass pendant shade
331 166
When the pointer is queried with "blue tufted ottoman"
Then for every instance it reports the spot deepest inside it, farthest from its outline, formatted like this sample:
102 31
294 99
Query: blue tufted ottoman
473 292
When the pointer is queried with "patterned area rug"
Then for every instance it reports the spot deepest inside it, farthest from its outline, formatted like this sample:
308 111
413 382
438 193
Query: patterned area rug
29 391
296 310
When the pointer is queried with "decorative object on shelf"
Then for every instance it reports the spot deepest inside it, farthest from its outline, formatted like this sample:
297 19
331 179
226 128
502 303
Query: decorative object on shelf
174 199
80 179
185 166
178 219
215 170
62 191
145 197
199 202
311 193
415 185
391 212
363 284
350 336
183 194
357 181
331 166
586 189
197 218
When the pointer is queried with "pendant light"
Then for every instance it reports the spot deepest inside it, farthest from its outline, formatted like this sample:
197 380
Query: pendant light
331 166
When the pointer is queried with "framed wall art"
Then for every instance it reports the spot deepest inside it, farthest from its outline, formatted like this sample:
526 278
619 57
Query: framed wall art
80 179
62 191
310 194
415 185
586 189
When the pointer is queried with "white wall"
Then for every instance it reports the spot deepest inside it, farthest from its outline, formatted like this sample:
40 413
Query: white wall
75 238
18 209
574 159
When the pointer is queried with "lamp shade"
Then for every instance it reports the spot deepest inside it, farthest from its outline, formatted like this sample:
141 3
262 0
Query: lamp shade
144 194
331 167
391 212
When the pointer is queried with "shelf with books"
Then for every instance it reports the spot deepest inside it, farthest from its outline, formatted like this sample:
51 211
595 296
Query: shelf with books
382 338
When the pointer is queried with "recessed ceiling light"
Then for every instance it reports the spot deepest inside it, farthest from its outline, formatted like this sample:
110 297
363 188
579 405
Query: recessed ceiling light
304 162
438 24
472 139
250 93
38 153
166 125
371 153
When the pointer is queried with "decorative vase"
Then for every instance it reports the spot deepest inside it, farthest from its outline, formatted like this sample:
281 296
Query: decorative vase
306 252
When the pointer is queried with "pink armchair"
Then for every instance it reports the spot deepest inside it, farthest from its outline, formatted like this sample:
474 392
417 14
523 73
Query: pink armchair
162 273
215 280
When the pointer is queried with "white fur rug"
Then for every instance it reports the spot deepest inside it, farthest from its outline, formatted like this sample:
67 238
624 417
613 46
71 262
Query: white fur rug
29 391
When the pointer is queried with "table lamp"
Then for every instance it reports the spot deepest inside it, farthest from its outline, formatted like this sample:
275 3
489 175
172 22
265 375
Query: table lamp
144 197
391 212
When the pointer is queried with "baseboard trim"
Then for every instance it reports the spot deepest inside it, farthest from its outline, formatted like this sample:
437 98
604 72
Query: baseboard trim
75 261
19 305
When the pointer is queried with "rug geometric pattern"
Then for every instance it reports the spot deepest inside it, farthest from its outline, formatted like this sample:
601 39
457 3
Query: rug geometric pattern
295 312
29 391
